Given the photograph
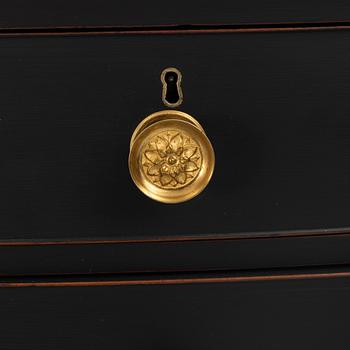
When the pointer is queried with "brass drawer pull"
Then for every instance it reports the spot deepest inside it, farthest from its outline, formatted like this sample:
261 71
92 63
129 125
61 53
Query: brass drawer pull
171 159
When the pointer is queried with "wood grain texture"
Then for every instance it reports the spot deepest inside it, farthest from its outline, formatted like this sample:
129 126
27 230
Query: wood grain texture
40 13
272 314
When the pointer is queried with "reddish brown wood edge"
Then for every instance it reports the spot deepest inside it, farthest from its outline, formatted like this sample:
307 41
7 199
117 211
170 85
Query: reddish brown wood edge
110 31
345 231
179 281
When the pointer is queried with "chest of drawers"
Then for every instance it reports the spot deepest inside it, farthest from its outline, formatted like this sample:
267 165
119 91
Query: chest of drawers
257 258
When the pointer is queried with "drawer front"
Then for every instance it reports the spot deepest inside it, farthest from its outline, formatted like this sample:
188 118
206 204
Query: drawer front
274 105
255 314
40 13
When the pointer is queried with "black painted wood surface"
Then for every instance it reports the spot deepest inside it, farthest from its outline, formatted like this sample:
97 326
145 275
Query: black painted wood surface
54 13
301 314
274 105
211 255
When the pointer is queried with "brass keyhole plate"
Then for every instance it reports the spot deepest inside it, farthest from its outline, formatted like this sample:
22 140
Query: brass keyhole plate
172 95
171 159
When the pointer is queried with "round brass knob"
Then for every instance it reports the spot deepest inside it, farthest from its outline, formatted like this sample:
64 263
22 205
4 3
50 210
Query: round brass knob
171 159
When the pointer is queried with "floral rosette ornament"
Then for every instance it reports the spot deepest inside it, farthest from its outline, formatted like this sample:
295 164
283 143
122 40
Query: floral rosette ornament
171 160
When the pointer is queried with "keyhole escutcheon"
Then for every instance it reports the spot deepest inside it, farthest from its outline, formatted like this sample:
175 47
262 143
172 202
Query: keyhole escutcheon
172 95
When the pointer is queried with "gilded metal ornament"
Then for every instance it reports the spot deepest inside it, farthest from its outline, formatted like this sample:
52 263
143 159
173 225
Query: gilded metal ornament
171 159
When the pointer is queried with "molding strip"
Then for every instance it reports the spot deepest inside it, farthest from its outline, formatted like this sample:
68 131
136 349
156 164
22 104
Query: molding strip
169 30
345 231
179 281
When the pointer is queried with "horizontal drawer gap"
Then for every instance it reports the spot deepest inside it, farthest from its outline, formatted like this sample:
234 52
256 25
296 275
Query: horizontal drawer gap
173 29
188 238
180 279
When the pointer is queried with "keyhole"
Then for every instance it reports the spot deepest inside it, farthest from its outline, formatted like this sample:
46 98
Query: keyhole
172 93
